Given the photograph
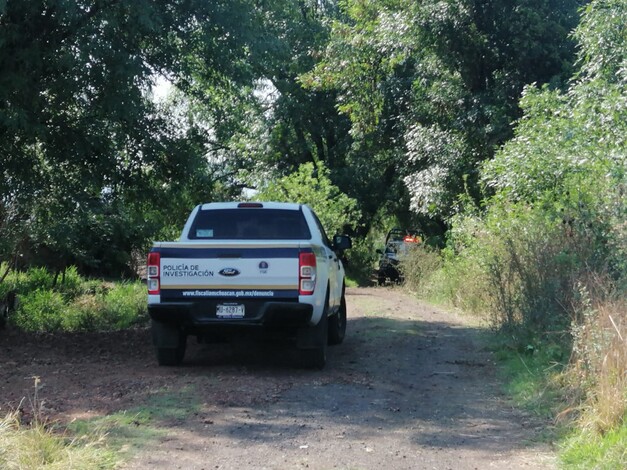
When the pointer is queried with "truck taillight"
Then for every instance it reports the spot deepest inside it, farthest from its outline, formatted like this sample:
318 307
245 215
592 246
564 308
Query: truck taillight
306 273
153 274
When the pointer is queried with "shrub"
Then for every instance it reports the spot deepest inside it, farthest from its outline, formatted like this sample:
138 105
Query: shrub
419 266
125 305
116 307
41 310
599 364
312 185
69 282
74 304
361 258
85 314
36 279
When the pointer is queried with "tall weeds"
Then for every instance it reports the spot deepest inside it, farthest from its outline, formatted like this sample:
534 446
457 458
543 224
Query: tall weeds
552 286
39 445
599 364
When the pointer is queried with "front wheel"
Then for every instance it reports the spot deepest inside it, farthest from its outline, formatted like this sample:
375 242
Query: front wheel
337 324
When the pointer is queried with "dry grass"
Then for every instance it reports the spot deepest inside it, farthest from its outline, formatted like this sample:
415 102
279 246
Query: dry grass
37 445
599 365
418 266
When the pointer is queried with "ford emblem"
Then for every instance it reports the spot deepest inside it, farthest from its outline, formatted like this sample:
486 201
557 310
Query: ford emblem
228 272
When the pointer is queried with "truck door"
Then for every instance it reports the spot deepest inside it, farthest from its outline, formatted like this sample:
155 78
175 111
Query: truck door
333 263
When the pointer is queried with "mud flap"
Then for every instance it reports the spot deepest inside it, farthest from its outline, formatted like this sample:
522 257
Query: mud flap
312 344
164 335
312 337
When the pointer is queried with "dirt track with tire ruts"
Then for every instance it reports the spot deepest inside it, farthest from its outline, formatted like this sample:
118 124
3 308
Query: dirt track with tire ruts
411 387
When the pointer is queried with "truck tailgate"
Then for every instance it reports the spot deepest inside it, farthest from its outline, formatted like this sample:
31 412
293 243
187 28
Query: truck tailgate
253 270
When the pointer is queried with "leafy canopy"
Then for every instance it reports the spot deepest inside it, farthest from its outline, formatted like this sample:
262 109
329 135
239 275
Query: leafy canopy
312 186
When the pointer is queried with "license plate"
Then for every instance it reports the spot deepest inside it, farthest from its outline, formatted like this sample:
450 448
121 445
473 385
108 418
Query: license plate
230 311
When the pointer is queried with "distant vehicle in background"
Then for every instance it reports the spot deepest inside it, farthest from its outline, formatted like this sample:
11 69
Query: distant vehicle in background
398 242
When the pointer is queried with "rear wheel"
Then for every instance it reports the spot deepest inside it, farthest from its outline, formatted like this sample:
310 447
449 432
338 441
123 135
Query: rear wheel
171 356
170 343
314 355
316 358
337 324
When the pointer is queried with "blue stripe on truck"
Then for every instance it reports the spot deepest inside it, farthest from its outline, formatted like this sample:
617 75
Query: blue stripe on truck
240 253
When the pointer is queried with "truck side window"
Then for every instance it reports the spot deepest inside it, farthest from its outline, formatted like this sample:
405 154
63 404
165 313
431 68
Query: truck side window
325 239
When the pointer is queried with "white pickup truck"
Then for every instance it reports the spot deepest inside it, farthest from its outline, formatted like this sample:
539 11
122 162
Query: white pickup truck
248 267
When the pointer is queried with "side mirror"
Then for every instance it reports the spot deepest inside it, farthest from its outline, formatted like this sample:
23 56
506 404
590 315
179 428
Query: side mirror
342 242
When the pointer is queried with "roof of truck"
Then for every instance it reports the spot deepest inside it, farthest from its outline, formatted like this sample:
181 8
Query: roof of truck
251 205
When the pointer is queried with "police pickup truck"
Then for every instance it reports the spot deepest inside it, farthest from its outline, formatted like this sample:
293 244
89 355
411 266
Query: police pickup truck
248 267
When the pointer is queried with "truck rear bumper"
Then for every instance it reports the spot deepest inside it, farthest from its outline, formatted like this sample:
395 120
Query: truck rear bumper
202 315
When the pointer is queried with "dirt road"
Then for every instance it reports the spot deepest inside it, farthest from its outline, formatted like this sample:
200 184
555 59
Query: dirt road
410 388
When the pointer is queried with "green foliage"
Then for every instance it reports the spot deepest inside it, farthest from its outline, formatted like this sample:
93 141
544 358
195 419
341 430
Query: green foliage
361 260
531 375
312 186
603 41
69 282
38 279
584 450
75 304
548 249
114 308
440 81
92 168
125 305
41 311
419 265
558 212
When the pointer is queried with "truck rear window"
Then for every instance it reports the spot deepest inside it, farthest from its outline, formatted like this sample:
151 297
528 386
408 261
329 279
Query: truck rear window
249 224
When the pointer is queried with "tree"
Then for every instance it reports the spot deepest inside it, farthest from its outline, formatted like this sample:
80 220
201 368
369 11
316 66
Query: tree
312 186
569 155
440 80
80 139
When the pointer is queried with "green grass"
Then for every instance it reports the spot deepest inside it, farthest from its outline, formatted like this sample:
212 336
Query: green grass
129 430
587 450
100 443
533 381
530 378
45 447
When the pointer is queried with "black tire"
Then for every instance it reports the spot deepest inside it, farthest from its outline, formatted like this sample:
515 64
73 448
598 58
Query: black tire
337 324
167 356
316 357
172 356
313 358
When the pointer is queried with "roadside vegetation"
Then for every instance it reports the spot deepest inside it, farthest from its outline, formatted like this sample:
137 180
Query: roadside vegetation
545 255
71 302
39 444
46 303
